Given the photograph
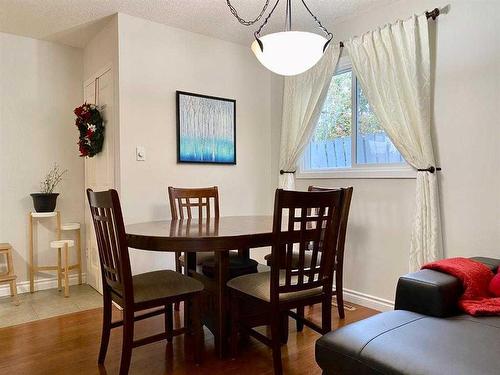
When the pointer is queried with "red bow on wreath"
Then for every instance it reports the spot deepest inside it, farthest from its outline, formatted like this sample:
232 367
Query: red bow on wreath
91 127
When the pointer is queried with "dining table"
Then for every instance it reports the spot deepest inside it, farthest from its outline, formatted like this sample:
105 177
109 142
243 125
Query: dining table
194 235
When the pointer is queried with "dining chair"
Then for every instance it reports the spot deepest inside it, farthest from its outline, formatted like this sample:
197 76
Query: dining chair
339 255
189 203
301 220
139 292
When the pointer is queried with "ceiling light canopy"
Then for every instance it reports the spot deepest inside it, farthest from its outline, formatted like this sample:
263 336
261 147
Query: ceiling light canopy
288 52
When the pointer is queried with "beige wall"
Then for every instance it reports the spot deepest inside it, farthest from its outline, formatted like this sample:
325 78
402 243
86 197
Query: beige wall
155 61
40 86
99 54
276 115
467 135
102 50
42 82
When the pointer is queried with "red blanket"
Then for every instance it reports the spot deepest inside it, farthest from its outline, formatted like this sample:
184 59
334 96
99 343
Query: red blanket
475 278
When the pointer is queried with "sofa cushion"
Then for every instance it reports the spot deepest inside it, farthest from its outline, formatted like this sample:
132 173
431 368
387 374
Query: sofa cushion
403 342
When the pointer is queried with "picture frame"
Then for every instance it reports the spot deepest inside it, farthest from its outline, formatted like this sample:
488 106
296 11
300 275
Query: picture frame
206 129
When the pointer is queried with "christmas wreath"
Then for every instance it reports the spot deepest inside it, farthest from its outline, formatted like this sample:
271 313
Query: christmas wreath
91 127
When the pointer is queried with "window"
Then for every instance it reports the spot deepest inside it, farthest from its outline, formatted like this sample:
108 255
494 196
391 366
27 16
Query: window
348 140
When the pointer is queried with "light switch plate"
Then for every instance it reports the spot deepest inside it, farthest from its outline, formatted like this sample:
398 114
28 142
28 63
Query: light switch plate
140 153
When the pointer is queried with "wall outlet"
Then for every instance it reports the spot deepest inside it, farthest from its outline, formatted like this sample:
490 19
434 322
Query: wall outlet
140 153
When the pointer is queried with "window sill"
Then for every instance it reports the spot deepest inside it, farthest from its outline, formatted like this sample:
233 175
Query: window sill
381 173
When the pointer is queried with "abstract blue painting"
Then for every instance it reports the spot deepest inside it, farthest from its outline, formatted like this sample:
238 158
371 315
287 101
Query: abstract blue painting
206 129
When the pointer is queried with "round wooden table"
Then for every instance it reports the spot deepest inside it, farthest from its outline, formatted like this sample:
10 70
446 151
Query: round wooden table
219 235
225 233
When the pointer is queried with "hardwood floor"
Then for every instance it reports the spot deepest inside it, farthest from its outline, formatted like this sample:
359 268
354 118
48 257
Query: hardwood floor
69 344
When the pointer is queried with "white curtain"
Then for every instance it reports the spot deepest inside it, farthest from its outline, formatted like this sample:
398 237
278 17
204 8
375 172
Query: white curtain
393 67
303 98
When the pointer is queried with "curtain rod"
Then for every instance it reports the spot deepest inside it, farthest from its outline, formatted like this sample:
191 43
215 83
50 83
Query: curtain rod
429 14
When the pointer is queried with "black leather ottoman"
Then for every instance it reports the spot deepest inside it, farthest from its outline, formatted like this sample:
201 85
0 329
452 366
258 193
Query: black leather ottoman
424 336
403 342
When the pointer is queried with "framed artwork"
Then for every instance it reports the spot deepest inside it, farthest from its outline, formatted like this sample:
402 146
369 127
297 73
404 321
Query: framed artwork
206 129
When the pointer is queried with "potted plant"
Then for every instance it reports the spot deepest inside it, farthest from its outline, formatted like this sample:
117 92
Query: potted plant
46 200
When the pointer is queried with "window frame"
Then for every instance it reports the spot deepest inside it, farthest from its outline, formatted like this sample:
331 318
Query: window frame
386 170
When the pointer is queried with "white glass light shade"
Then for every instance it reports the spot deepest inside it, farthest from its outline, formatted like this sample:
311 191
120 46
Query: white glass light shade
289 52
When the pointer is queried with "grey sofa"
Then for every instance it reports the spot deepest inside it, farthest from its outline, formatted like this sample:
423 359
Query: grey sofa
425 335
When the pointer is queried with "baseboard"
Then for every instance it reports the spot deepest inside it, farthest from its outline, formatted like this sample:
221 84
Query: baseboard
352 296
40 284
368 300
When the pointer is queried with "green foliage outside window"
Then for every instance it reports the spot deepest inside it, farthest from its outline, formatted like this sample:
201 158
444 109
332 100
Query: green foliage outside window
335 118
367 121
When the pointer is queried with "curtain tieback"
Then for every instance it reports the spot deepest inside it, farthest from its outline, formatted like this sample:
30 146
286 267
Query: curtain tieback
284 172
430 169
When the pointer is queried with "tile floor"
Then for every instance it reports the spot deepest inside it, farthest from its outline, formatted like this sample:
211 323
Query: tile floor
47 303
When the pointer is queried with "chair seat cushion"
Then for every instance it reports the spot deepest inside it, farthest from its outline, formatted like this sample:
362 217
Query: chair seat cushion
259 285
295 258
202 257
238 266
163 284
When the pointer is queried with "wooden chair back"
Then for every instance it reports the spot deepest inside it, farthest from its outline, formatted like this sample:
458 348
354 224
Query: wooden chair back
343 218
111 239
184 202
308 221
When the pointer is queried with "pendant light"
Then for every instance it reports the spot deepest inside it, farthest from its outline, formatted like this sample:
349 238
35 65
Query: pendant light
288 52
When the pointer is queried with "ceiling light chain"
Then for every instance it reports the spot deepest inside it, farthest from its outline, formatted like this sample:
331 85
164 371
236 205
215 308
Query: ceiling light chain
288 20
243 21
257 33
329 34
288 52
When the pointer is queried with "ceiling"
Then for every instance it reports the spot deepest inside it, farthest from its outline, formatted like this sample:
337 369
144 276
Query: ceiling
74 22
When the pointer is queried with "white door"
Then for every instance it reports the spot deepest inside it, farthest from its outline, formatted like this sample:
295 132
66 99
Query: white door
99 170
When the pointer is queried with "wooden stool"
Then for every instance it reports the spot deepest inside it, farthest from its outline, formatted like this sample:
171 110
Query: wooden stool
75 227
63 266
9 276
33 218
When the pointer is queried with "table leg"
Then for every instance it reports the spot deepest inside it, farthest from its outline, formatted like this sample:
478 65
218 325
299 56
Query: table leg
32 275
58 225
66 270
222 275
189 265
79 255
244 253
189 262
59 268
10 272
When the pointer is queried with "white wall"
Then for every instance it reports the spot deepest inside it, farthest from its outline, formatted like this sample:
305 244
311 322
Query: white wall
467 135
41 84
155 61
